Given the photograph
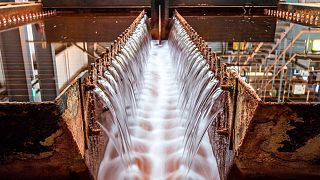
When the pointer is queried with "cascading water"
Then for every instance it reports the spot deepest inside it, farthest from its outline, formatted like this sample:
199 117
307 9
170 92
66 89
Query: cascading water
160 98
198 87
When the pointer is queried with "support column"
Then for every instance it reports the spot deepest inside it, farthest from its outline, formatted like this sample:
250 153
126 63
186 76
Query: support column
45 57
90 49
155 4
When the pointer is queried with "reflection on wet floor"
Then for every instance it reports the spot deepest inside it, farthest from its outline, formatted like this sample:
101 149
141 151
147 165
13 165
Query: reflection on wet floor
279 59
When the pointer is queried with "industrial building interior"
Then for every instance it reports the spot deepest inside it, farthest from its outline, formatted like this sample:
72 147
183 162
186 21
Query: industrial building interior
238 81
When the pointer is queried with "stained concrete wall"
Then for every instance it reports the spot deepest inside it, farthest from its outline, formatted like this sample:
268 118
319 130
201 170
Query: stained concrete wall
265 140
283 141
50 139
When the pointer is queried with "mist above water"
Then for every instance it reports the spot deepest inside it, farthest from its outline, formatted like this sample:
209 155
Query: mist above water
160 98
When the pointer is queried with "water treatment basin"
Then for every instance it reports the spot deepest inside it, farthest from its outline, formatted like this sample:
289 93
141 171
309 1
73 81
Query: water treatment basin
272 70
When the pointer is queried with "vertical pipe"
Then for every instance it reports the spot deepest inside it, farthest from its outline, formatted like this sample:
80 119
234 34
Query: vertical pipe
159 28
255 77
282 72
274 70
234 115
84 124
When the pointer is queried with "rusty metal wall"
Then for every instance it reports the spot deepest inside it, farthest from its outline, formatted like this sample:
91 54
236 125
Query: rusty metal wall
110 3
95 3
98 29
234 28
223 2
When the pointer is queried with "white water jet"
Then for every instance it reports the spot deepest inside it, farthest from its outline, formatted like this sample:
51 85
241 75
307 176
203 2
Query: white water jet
160 98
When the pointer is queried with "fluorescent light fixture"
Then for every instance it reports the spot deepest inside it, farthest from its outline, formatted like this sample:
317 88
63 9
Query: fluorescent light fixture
316 45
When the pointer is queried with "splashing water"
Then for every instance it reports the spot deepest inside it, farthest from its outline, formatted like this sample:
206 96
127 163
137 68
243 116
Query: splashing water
160 99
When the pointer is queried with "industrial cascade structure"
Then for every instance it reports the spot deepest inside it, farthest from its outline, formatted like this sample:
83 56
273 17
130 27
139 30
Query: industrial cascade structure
160 89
